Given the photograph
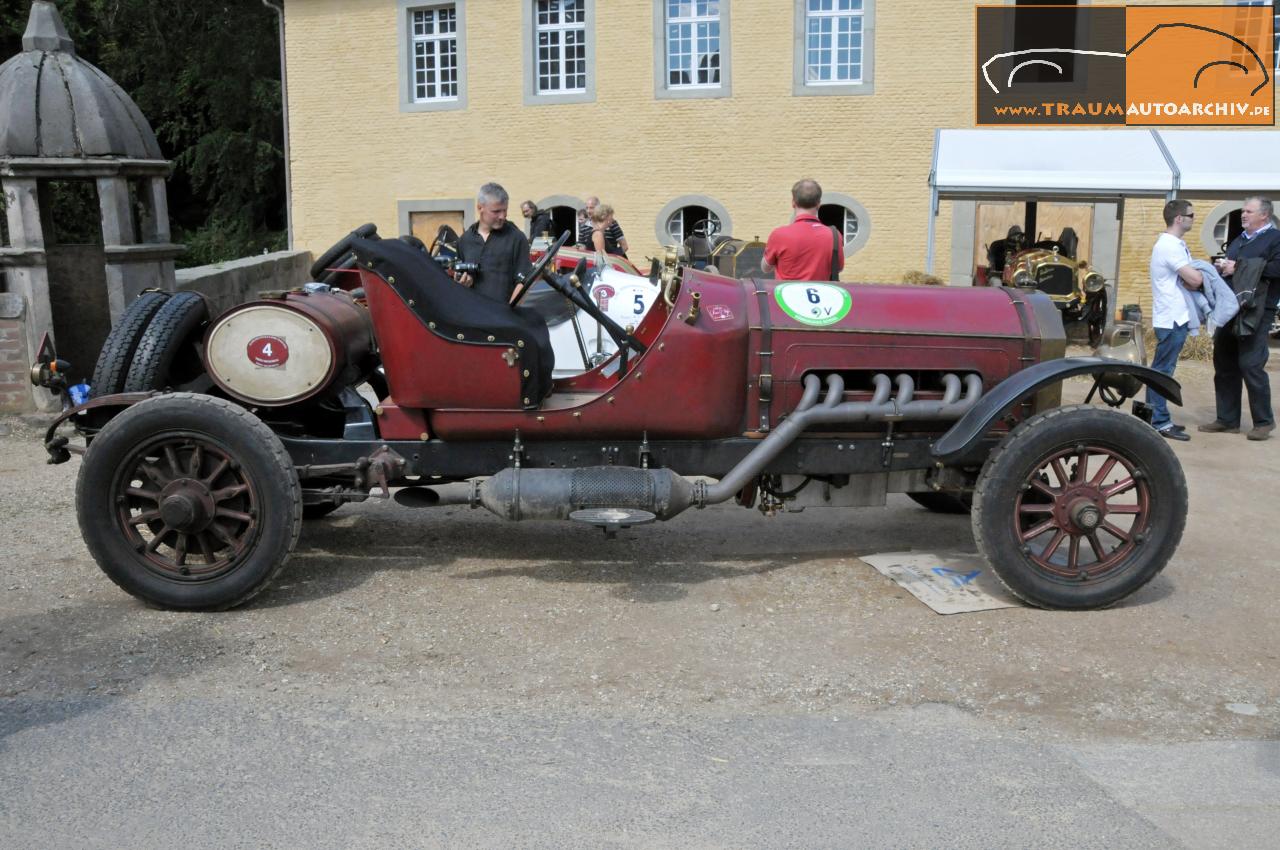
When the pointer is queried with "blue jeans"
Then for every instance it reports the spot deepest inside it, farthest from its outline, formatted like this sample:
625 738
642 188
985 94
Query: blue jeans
1169 342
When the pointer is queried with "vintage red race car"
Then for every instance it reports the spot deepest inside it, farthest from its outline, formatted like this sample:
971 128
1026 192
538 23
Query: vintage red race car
784 395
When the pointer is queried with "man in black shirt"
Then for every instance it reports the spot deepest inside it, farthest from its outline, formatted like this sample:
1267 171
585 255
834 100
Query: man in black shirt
501 250
539 220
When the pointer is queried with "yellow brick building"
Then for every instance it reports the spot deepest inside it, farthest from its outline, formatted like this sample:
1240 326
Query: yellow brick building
373 139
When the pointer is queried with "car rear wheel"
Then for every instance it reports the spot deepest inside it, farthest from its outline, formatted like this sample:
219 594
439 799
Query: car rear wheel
189 502
1079 507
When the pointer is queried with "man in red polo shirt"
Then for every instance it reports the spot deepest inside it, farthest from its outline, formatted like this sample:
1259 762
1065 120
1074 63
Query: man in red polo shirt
805 248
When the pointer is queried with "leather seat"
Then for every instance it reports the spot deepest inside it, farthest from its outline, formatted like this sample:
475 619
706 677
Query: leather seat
436 298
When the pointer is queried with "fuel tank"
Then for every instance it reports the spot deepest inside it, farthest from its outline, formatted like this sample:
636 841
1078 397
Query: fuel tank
289 348
860 329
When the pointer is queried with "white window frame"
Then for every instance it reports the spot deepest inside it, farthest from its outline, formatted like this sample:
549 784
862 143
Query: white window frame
801 84
434 47
662 87
676 205
675 222
533 95
408 41
1275 16
860 214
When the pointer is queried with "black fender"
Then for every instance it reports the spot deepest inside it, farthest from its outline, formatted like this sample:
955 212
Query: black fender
974 425
90 417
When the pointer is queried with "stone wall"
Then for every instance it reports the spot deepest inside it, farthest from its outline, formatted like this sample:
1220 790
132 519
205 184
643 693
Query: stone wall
231 283
225 284
15 384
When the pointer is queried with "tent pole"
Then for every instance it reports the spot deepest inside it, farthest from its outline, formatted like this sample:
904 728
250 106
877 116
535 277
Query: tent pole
933 226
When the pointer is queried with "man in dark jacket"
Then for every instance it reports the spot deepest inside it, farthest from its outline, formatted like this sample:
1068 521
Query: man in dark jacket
498 246
539 220
1243 359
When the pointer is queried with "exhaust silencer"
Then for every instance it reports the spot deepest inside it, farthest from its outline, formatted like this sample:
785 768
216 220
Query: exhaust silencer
520 494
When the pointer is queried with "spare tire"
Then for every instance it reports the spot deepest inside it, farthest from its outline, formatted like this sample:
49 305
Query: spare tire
112 369
167 354
341 247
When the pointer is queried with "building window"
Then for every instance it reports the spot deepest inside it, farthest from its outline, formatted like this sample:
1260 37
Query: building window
564 214
849 217
691 40
841 218
693 221
561 33
423 218
559 51
834 46
833 42
693 43
691 215
435 54
433 57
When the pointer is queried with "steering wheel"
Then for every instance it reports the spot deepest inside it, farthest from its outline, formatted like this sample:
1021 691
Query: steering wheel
707 228
535 274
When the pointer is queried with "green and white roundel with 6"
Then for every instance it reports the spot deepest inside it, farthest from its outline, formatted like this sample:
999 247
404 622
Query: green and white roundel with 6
814 303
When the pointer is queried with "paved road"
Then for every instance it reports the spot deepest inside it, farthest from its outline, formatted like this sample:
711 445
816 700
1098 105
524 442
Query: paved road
446 679
203 773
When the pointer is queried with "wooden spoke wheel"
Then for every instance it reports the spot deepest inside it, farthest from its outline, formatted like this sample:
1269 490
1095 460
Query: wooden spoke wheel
1079 507
189 501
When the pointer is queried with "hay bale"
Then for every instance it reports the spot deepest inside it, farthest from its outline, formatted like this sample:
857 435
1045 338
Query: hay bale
1198 348
920 278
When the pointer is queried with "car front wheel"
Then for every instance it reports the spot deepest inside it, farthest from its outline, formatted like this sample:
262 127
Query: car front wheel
1079 507
189 502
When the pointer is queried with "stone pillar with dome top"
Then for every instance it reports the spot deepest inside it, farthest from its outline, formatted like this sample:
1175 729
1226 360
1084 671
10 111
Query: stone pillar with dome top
86 221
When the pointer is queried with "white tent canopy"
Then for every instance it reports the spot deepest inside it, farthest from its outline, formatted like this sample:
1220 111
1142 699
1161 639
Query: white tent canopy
1218 163
1099 165
968 163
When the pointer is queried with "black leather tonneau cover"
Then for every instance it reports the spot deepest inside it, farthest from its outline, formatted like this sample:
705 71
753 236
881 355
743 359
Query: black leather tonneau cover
435 298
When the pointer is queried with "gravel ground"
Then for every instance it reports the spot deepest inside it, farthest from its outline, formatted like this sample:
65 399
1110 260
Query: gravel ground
717 613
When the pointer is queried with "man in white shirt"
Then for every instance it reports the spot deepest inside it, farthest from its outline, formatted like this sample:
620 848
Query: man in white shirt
1171 269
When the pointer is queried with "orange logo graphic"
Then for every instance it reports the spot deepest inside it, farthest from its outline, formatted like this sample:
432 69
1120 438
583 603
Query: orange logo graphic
1136 65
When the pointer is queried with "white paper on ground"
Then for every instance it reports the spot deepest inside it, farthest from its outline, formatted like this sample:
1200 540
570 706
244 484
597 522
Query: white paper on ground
948 582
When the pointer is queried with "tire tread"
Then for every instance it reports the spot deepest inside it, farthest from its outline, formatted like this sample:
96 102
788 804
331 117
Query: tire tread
167 331
247 423
111 371
1034 425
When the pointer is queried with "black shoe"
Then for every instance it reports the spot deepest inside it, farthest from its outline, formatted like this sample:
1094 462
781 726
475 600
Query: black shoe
1178 428
1173 432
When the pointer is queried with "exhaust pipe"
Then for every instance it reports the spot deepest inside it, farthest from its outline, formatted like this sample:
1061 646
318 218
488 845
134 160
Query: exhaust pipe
531 494
880 407
519 494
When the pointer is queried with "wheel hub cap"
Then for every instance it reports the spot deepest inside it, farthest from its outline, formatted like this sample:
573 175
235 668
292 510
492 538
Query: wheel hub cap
186 505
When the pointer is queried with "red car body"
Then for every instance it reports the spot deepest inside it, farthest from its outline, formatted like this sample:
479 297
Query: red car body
849 390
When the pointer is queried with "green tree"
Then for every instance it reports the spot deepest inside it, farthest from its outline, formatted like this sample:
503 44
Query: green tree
206 74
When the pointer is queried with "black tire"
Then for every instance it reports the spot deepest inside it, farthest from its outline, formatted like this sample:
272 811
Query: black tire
341 247
182 473
1032 497
1097 321
944 503
112 369
168 354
